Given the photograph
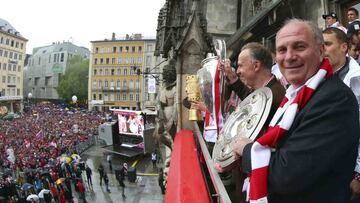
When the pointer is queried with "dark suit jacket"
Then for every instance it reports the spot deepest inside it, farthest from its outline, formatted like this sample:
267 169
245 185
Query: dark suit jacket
315 161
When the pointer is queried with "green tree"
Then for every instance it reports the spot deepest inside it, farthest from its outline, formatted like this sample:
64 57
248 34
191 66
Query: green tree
75 80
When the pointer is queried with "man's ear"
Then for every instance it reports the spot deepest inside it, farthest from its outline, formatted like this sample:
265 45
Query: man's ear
344 47
257 65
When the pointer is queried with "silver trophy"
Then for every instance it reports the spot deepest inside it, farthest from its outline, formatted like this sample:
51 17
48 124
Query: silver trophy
206 83
246 121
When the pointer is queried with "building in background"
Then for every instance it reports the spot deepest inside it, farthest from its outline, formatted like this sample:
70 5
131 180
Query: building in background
12 56
45 66
118 68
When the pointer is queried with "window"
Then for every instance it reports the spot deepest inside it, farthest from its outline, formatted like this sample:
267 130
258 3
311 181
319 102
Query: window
36 82
101 61
137 97
19 68
131 84
106 83
1 52
10 54
120 49
9 67
131 97
107 60
149 47
118 98
100 97
62 57
106 72
12 43
17 45
94 96
2 40
97 50
39 61
112 71
100 83
14 67
20 57
124 96
4 66
4 79
95 61
94 84
118 83
119 60
114 49
125 71
95 71
113 61
22 45
101 72
148 60
111 83
7 41
126 49
132 49
137 84
124 84
47 80
126 60
6 54
139 60
118 71
140 48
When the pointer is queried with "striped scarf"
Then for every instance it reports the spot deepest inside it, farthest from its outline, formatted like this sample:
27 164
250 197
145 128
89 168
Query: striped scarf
261 149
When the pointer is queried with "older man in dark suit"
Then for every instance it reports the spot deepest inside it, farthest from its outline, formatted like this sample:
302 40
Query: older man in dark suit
309 150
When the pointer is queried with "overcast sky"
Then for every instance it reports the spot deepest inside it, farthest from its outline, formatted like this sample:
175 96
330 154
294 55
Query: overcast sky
45 21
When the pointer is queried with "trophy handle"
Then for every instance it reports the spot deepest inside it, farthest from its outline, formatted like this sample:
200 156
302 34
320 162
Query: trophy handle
220 49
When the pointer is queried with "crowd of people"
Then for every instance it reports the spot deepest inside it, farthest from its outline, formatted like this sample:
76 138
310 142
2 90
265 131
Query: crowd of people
39 152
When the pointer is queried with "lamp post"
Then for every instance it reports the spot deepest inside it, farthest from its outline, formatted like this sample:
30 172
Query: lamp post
74 99
29 98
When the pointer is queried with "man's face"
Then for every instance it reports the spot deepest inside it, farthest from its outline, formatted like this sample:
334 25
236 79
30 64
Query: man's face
297 53
354 52
351 16
246 68
330 20
335 50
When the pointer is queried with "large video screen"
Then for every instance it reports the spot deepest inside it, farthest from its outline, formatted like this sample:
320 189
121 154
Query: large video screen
130 122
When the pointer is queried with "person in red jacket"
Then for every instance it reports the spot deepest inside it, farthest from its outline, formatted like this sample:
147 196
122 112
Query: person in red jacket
81 189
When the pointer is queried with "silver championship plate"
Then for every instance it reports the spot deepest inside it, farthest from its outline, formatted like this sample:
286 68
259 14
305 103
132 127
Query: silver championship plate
246 121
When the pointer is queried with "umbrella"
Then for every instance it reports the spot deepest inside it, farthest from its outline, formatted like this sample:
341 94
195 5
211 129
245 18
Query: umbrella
26 186
75 157
32 197
60 180
42 192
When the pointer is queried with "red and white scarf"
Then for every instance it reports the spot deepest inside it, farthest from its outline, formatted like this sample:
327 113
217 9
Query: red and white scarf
289 107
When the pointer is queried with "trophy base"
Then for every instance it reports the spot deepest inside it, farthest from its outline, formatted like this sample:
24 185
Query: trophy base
195 115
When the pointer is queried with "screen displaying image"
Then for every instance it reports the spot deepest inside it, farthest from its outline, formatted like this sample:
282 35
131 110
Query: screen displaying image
130 122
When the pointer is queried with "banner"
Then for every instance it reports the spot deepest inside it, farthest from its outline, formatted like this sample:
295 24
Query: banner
151 85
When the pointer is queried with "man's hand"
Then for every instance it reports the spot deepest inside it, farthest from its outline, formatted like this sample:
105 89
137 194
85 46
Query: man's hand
198 105
227 69
239 146
355 189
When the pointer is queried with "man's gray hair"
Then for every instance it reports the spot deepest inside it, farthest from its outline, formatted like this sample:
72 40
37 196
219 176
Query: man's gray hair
260 53
314 29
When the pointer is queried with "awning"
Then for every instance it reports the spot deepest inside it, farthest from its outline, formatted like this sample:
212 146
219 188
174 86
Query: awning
185 182
242 32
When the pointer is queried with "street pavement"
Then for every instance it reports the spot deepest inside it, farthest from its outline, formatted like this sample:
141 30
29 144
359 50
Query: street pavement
145 191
